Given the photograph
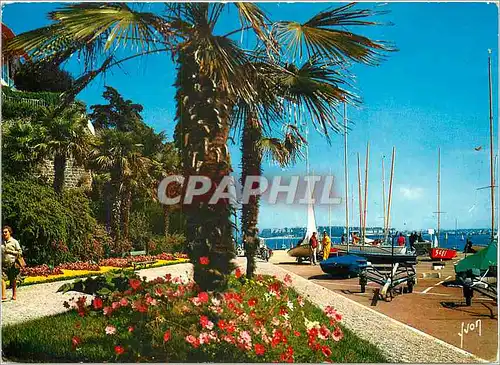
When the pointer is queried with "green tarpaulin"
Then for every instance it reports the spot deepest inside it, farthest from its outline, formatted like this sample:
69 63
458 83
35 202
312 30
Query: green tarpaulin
481 260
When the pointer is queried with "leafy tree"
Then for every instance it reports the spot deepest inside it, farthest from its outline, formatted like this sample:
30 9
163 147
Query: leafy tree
45 76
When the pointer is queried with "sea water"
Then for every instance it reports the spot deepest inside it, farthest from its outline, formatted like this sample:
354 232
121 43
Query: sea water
451 241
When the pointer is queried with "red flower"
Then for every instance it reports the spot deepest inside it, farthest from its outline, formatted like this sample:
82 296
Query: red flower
135 283
237 273
252 301
131 328
97 303
221 324
326 351
166 336
204 260
76 341
287 279
203 297
107 311
296 333
119 350
259 349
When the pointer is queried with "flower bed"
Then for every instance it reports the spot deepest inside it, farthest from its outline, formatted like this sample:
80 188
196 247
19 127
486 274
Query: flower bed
44 274
168 320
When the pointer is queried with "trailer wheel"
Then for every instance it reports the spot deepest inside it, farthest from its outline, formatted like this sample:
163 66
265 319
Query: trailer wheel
300 260
468 301
468 294
410 287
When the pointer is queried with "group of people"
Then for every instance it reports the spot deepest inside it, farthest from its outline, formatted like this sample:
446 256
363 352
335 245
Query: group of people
314 244
11 267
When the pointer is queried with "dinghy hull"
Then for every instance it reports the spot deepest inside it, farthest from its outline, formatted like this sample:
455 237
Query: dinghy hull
442 253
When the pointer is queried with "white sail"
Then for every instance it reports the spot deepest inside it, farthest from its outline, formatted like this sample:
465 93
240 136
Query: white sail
435 243
311 223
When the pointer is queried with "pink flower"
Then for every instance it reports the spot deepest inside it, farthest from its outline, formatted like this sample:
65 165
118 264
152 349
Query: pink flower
110 330
287 279
275 321
123 302
300 300
337 334
151 301
115 305
158 291
204 260
206 323
107 311
323 332
204 338
75 341
131 328
259 349
193 341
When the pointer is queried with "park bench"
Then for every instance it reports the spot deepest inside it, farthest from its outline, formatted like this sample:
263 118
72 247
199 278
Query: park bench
141 264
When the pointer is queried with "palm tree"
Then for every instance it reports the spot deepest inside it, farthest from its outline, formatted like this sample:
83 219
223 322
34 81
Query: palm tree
210 79
64 135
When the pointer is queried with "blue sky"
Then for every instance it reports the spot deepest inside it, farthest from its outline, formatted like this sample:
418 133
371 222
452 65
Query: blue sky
432 92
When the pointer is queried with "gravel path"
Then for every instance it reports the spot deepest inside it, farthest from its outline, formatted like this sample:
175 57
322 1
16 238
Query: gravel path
399 342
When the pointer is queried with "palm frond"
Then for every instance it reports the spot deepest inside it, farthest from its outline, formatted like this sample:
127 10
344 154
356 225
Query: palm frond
325 35
93 29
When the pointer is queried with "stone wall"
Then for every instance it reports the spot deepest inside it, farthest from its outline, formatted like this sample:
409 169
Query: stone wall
75 176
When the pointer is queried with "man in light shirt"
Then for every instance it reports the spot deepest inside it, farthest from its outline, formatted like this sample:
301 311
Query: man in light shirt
11 250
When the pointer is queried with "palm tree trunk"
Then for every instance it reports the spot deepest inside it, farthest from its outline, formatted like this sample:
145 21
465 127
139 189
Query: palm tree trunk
201 136
115 208
126 203
251 160
59 171
166 220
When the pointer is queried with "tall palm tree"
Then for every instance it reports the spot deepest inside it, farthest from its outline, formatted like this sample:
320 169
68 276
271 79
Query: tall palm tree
210 78
65 135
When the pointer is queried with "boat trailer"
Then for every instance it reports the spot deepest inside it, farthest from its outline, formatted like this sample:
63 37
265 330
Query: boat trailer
485 284
396 276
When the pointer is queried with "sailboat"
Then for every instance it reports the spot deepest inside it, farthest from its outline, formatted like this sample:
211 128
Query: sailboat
303 249
436 252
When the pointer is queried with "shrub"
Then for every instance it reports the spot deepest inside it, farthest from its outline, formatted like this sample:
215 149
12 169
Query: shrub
50 230
170 244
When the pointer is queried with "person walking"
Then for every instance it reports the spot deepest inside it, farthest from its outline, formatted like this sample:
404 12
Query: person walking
313 242
11 252
327 245
401 240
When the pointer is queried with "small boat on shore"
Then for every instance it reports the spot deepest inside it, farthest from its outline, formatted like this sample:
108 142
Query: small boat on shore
438 253
346 266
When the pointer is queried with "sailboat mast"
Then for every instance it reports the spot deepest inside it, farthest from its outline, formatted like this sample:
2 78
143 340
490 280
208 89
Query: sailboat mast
390 191
360 199
346 178
492 172
383 195
366 190
439 193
